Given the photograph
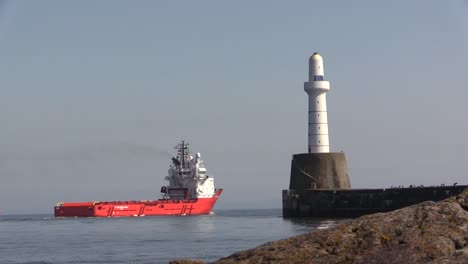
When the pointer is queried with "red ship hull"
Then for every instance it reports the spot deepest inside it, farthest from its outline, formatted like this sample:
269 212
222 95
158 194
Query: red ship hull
137 208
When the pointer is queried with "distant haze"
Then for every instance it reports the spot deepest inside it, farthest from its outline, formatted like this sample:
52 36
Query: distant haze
95 94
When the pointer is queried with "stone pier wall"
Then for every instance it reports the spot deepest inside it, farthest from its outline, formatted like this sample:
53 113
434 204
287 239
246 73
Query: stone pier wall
358 202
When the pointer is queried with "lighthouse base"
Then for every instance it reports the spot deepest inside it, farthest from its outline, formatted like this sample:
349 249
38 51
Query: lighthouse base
311 171
314 171
319 187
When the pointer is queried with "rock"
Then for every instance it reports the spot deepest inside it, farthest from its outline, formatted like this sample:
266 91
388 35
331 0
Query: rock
459 257
435 233
186 261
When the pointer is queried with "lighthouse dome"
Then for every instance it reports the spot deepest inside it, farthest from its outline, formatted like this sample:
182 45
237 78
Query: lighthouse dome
316 56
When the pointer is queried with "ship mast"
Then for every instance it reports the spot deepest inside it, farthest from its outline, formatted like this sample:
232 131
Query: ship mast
182 151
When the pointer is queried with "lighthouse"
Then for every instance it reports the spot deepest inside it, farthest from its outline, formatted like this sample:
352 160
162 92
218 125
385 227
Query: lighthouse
318 169
317 89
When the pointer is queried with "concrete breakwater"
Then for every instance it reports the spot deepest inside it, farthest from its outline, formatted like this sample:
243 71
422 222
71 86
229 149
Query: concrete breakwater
358 202
429 232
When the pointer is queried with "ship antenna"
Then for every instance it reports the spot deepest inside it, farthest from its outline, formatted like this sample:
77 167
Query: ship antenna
182 150
183 154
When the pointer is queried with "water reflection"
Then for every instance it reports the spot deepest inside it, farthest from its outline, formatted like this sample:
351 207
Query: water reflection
312 224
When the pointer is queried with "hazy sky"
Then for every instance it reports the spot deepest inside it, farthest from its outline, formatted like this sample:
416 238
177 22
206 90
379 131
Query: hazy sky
95 94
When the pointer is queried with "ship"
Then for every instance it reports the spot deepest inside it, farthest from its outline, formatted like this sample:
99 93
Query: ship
190 191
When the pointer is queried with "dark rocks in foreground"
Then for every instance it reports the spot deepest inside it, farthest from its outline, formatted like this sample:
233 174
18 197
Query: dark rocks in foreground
429 232
186 261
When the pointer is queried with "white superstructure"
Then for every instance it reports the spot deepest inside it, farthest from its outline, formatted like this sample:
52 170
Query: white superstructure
188 178
317 89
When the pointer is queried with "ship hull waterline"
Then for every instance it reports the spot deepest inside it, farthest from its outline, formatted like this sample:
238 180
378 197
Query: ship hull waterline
162 207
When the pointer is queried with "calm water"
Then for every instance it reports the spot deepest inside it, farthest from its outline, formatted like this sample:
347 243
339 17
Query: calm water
44 239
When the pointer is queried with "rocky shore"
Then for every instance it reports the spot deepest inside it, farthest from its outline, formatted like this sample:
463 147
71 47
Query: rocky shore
429 232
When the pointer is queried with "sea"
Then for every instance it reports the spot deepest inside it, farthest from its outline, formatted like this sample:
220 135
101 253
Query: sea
43 239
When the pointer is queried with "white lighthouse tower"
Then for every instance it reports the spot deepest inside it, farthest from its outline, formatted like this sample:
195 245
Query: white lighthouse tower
319 169
317 89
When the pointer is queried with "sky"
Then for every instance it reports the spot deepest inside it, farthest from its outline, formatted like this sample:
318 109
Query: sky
95 94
